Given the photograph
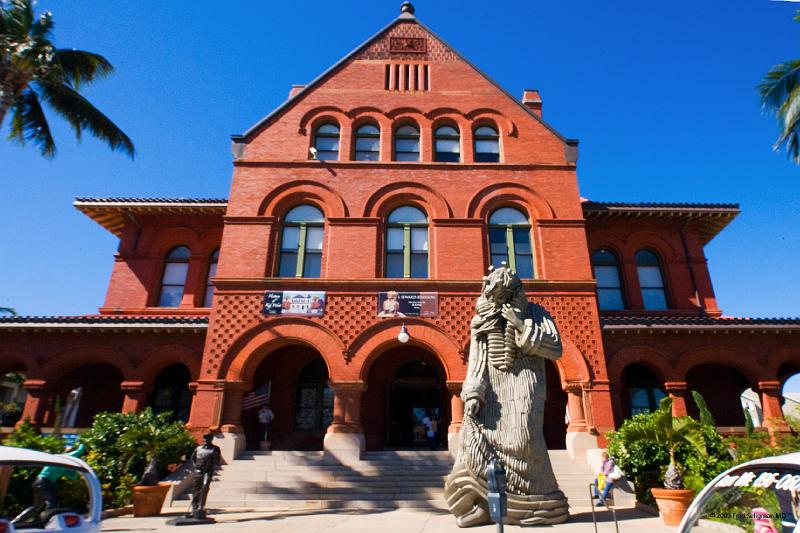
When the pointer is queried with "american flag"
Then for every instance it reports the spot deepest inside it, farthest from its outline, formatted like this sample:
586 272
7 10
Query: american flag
257 397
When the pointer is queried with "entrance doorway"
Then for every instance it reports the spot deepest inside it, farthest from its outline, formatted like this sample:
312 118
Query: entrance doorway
414 405
405 391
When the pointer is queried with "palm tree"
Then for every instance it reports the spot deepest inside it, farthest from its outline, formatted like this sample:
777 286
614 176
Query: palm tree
671 432
780 94
33 70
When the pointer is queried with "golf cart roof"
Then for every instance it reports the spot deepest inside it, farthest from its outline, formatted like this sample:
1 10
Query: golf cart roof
22 456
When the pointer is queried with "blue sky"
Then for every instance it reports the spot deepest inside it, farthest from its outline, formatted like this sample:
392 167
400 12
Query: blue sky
661 95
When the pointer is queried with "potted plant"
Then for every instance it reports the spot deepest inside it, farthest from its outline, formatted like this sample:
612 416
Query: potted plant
671 432
154 441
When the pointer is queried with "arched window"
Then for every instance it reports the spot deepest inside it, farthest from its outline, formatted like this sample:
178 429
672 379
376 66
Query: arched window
326 141
212 271
406 143
174 278
171 392
314 404
605 267
301 243
368 143
487 145
644 390
448 145
407 243
510 241
648 268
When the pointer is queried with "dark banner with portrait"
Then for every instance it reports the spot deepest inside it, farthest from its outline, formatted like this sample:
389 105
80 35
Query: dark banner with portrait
305 303
392 304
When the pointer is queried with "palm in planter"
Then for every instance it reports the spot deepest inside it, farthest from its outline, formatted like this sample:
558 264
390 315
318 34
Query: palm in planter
153 440
672 432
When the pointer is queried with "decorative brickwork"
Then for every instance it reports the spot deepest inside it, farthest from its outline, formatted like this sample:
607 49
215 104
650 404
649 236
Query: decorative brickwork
382 48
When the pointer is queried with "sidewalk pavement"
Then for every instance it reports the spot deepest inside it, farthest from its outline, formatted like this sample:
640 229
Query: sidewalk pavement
382 521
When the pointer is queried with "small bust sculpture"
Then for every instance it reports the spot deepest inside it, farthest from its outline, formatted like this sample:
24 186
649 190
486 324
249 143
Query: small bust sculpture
504 395
206 459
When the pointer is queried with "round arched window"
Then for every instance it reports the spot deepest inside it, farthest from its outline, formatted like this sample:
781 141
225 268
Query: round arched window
510 241
301 243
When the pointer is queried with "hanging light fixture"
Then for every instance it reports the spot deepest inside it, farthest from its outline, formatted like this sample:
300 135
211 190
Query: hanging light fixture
403 335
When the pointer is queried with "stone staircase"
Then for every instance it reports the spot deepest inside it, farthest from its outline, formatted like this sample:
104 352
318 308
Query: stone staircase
389 479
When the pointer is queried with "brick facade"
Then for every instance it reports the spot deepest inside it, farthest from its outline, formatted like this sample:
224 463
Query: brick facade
241 348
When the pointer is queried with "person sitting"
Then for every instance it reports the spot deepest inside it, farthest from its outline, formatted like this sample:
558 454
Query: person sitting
604 482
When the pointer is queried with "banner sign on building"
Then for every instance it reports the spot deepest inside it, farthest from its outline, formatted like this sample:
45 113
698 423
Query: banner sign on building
306 303
391 304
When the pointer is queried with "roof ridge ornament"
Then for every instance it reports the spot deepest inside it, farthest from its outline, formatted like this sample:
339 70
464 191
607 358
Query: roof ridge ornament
407 7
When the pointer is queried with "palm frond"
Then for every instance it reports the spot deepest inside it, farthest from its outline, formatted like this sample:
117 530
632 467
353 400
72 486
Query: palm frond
779 82
82 67
30 124
81 114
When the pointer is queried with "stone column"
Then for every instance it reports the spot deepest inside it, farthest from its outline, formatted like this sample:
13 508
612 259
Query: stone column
677 391
770 395
456 416
207 415
135 396
231 421
36 402
579 438
345 440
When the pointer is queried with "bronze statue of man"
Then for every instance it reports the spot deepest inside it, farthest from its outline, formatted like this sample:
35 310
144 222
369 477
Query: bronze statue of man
206 459
504 395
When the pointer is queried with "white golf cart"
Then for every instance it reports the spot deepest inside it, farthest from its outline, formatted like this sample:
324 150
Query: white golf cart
55 519
761 496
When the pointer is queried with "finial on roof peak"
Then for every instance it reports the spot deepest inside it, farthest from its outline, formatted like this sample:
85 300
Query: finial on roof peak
407 7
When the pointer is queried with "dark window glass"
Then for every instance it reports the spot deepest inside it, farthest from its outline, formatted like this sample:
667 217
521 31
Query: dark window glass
510 241
368 143
406 144
407 243
326 141
487 145
648 268
605 268
301 243
174 279
447 145
212 271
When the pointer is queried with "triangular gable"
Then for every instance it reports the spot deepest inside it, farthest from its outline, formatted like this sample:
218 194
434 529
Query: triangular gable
398 35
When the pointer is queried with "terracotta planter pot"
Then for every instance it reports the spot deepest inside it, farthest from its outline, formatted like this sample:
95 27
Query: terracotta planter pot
147 501
672 504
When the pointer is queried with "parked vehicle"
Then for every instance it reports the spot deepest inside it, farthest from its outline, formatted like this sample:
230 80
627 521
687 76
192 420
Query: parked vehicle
760 496
54 519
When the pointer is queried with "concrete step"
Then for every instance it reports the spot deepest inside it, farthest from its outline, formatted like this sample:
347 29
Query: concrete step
388 479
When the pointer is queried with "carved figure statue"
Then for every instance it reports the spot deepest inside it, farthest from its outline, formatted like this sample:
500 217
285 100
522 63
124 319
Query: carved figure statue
504 395
206 459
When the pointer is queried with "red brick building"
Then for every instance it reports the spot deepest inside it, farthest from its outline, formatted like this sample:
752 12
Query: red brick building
401 168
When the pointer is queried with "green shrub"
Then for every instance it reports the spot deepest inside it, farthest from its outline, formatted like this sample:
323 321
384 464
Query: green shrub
122 444
644 458
72 493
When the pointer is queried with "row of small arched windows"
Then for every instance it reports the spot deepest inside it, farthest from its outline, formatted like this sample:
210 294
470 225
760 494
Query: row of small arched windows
610 294
406 147
173 281
406 242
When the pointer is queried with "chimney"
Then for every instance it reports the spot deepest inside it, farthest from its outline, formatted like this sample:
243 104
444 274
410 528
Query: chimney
532 100
295 89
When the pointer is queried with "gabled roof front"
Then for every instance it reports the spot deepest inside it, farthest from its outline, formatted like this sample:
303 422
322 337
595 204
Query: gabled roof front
406 15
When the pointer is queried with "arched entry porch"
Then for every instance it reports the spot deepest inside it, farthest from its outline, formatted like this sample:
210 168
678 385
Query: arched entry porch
404 386
296 378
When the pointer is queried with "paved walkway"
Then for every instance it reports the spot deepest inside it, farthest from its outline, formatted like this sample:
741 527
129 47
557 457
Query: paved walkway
383 521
